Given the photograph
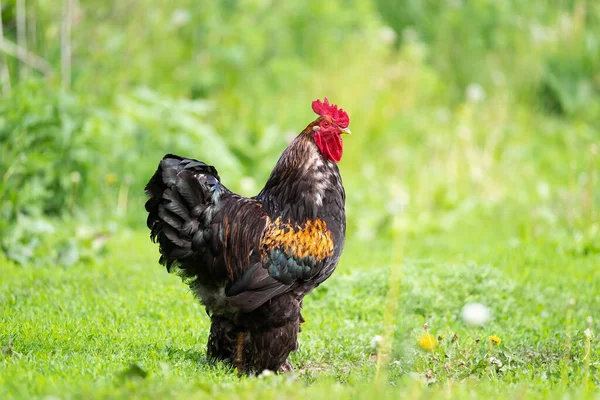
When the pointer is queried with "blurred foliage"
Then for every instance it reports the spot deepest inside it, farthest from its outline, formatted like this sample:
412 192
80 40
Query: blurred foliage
458 106
43 152
547 53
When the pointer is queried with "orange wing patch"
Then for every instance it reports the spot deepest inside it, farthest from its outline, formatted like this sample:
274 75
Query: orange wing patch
311 239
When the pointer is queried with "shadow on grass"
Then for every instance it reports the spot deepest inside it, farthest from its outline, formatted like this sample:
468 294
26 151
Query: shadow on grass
176 354
173 358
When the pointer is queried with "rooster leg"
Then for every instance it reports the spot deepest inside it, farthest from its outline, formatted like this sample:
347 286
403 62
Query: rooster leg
239 349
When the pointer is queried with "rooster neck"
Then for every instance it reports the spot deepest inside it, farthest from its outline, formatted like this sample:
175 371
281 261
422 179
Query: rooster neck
303 185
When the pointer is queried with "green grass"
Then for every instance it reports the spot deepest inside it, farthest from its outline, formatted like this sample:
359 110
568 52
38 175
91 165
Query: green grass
121 326
472 175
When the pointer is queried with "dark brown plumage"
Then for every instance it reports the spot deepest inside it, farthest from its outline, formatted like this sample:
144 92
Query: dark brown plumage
251 261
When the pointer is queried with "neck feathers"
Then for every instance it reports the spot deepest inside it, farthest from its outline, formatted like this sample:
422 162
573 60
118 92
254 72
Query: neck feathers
301 182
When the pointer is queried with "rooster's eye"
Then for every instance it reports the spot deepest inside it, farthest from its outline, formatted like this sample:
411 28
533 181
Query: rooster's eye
325 124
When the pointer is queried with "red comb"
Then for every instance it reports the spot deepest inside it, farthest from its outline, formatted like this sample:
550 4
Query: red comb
339 116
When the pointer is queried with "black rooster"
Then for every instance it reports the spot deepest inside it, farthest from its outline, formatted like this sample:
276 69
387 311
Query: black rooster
252 260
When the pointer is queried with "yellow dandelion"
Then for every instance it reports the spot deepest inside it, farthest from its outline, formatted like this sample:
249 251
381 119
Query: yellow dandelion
427 342
111 179
495 339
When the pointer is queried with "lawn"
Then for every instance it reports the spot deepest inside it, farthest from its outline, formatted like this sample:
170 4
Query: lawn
122 327
472 178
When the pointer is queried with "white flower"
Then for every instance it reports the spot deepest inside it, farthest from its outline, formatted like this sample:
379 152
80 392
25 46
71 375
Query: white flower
75 177
475 93
543 190
496 362
475 314
266 373
538 33
376 342
387 35
180 17
247 185
399 199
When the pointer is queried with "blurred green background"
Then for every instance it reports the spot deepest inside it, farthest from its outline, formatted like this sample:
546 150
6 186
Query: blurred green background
474 168
458 107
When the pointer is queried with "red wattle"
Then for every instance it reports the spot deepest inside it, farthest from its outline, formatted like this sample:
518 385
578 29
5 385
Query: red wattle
331 146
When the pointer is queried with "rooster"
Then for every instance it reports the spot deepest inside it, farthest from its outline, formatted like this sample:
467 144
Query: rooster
251 261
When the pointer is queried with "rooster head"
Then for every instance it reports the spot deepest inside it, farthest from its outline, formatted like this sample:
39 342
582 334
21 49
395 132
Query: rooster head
327 130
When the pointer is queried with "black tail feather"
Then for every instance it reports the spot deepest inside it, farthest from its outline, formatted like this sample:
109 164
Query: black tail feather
180 191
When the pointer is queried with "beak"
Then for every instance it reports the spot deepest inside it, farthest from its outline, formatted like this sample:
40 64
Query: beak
346 130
